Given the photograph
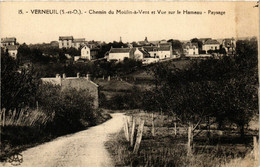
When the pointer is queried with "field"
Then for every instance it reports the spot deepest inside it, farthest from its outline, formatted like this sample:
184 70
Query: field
167 149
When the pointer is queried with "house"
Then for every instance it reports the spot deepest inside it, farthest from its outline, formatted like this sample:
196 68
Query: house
140 53
8 41
119 54
78 42
79 83
94 53
65 41
191 48
162 51
210 44
12 50
85 52
229 44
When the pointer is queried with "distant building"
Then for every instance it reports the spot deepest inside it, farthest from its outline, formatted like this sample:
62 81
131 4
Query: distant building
8 41
229 44
191 48
12 50
78 42
65 41
210 44
85 52
119 54
162 51
10 45
78 83
140 54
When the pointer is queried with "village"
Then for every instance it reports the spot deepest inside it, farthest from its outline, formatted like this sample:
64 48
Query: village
145 51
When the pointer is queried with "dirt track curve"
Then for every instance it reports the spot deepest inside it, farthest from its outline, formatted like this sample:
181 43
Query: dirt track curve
85 148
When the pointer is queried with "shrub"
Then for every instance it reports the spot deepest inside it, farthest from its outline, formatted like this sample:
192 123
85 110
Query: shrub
70 109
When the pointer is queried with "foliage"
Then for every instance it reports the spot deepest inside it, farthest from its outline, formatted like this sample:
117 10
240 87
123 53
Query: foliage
18 88
224 88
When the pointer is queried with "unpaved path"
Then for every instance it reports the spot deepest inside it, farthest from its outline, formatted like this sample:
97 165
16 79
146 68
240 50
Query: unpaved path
85 148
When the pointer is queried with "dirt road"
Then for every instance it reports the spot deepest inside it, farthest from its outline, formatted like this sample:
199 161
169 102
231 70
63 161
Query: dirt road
85 148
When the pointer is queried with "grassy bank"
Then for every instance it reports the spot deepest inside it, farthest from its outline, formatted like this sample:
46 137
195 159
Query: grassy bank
166 149
63 112
34 128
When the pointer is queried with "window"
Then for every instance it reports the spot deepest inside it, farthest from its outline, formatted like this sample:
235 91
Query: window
216 48
87 52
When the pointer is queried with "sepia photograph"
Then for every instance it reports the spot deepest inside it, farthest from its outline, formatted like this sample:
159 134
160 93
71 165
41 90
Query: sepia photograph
129 84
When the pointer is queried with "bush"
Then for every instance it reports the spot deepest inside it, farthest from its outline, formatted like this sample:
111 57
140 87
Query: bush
70 109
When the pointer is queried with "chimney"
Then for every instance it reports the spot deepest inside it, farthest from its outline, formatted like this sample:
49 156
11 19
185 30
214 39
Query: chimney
63 75
57 75
78 75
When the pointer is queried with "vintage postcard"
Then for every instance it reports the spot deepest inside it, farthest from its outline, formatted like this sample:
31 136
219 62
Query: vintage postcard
137 84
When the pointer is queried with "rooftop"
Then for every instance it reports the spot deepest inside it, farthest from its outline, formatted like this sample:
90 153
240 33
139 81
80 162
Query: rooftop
66 38
119 50
211 41
12 47
10 39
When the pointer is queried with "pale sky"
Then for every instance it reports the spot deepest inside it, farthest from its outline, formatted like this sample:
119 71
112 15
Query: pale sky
240 20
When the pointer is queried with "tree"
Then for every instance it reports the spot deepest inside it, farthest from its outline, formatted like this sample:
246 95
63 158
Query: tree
18 89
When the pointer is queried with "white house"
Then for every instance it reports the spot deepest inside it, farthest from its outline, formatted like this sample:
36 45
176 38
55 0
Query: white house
140 53
119 54
211 45
191 48
12 50
161 51
85 52
164 51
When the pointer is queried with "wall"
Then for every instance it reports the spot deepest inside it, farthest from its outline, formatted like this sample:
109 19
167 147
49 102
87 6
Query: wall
138 55
164 54
118 56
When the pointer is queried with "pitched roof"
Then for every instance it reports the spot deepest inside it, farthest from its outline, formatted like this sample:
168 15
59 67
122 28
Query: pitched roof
11 39
66 38
150 48
164 48
119 50
12 47
143 51
211 41
79 40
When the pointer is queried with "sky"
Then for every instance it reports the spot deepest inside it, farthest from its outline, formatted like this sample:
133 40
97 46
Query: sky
241 19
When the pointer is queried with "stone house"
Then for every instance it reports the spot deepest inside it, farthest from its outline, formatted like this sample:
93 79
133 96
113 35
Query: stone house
78 83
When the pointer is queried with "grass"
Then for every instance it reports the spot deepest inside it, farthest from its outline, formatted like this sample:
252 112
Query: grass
30 128
166 149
